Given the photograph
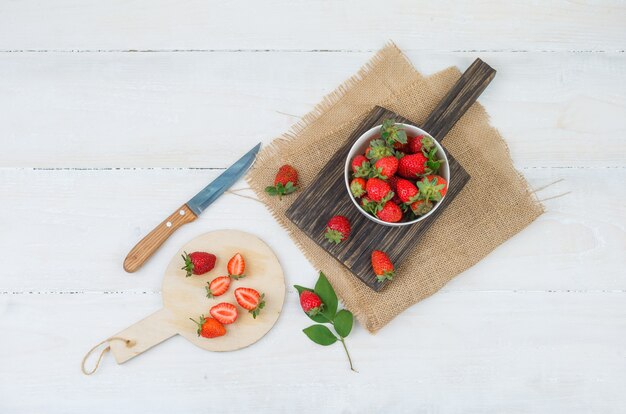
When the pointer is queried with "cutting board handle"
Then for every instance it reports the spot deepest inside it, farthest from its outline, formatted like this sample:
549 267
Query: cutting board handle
143 335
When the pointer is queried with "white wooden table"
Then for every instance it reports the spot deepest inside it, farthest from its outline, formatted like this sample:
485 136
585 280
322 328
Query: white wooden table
114 113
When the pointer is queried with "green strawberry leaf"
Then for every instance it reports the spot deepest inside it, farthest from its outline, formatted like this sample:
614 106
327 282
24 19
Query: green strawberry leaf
343 322
326 292
401 137
289 188
320 334
301 289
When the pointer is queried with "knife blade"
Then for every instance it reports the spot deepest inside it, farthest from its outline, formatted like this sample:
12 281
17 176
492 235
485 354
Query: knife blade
189 211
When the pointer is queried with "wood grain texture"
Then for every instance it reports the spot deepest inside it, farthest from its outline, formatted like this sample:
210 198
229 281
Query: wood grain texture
458 100
366 235
149 244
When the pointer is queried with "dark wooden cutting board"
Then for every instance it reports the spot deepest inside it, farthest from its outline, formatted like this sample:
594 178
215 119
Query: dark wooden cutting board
327 195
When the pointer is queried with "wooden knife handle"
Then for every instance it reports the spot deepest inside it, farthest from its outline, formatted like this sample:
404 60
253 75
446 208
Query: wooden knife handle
458 100
149 244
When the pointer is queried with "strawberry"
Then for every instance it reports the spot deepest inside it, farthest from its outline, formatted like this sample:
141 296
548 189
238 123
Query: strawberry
337 229
209 327
382 266
421 207
440 181
404 148
361 166
236 266
415 145
405 190
311 303
217 286
386 167
224 313
413 165
357 187
393 183
198 263
250 299
432 187
377 189
391 212
378 149
286 181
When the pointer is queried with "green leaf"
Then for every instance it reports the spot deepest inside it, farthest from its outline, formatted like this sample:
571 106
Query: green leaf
301 289
402 138
343 322
320 334
315 318
326 292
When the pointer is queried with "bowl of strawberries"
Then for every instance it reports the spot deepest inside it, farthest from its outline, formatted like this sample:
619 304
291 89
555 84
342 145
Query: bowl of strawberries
397 174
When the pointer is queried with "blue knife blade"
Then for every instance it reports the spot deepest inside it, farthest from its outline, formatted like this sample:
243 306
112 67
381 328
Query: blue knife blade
216 188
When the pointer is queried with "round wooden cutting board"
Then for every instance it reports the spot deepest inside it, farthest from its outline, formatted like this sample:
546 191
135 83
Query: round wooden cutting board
185 297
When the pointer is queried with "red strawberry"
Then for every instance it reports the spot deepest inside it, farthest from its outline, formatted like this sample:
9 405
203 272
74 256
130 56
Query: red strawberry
209 327
337 229
224 312
218 286
358 163
311 303
236 266
421 207
432 187
410 166
377 189
398 146
405 190
393 183
286 181
386 166
250 299
440 181
198 263
382 266
357 187
390 212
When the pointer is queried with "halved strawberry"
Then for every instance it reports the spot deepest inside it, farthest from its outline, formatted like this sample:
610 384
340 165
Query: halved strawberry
250 299
217 286
236 266
224 312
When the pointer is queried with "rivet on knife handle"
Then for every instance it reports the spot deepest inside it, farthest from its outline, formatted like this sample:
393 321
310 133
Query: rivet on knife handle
149 244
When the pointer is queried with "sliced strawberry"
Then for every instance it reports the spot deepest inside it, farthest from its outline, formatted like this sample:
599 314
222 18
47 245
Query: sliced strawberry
250 299
236 266
217 286
224 312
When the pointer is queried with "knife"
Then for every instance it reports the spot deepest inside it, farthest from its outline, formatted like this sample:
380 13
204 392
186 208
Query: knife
188 212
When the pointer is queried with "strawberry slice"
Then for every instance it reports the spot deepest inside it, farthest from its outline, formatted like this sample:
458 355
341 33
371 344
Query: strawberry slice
224 312
250 299
236 266
217 286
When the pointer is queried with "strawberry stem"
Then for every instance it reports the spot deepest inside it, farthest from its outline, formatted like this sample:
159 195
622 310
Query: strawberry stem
347 353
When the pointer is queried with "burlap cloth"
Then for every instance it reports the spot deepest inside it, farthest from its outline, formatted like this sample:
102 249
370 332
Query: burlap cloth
495 204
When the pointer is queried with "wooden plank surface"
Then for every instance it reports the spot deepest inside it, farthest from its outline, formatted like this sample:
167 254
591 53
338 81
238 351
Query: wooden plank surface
312 25
536 327
103 110
355 252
